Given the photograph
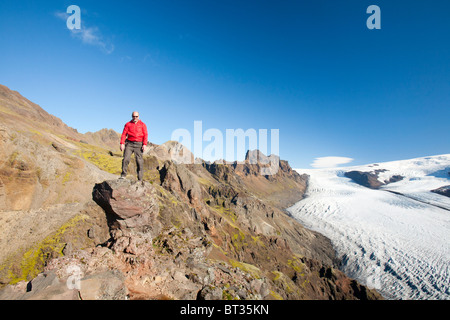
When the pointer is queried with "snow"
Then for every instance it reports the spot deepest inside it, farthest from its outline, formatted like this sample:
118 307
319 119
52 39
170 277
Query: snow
395 243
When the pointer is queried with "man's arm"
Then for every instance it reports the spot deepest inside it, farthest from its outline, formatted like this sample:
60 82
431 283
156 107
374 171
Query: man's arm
123 137
145 139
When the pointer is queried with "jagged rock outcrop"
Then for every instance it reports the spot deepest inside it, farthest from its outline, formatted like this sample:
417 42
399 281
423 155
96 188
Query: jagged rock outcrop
132 206
445 191
370 179
131 210
172 151
179 180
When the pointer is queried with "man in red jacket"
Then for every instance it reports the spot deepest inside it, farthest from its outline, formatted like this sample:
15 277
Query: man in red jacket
135 133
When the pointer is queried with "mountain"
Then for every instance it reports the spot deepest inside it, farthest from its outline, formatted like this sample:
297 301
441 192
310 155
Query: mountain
22 114
388 222
104 137
71 230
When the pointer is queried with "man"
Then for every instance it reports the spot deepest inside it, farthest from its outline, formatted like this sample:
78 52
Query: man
135 133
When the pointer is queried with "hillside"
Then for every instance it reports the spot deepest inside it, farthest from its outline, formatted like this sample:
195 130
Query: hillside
190 231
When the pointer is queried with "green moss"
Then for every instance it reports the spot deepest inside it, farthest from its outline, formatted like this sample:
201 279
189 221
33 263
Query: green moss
229 215
12 136
102 160
283 280
220 249
66 177
246 267
35 132
277 274
7 111
166 197
227 296
39 173
176 222
12 158
204 181
275 295
297 265
33 260
238 240
257 241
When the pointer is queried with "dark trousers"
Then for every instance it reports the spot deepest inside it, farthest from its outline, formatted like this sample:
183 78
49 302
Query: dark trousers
130 148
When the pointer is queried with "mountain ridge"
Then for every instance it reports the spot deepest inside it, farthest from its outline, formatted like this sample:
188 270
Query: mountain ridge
197 231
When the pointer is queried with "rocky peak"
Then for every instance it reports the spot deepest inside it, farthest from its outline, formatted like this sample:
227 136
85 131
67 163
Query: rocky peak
104 138
19 112
255 156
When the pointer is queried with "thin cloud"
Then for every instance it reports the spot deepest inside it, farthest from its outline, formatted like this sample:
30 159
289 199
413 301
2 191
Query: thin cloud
88 35
62 15
330 162
126 58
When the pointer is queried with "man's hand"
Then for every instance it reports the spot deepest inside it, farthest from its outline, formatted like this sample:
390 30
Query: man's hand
122 147
144 147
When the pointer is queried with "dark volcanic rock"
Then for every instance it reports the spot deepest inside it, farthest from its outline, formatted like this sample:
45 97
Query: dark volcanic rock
370 179
366 179
445 191
394 178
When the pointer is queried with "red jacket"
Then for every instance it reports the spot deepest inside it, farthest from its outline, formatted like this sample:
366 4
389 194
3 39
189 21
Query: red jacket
134 132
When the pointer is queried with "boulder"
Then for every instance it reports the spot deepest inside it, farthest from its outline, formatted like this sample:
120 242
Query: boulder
108 285
210 293
128 204
131 209
46 286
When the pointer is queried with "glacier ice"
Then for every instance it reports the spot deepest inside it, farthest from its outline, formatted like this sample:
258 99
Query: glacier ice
394 239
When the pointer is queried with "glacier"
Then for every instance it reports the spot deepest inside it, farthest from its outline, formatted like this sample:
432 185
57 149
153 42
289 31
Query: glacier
394 239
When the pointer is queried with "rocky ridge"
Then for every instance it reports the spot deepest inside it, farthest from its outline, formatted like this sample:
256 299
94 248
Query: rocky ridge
190 231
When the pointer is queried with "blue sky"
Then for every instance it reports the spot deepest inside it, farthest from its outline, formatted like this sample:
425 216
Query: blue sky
311 69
